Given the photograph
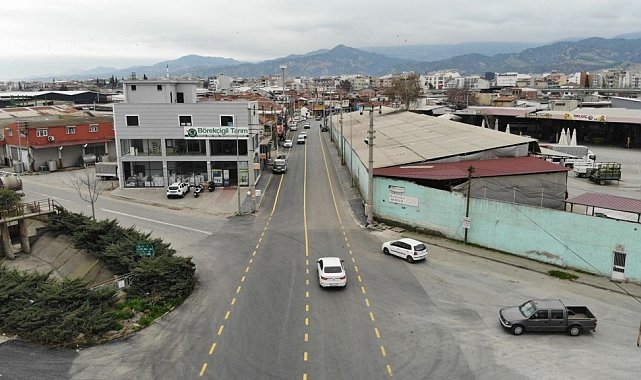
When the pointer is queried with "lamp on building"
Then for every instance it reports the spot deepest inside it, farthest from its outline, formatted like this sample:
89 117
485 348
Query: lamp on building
370 167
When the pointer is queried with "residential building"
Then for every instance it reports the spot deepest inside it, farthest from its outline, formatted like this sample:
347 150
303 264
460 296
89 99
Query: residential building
164 135
506 79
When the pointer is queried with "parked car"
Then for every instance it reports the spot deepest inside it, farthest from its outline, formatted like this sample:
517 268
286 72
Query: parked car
547 315
293 127
288 144
280 166
303 133
408 249
306 126
300 139
177 189
331 272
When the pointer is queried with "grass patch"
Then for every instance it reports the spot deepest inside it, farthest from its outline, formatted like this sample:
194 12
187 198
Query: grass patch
562 275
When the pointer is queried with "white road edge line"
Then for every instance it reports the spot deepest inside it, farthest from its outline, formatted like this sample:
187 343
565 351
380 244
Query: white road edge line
159 222
52 197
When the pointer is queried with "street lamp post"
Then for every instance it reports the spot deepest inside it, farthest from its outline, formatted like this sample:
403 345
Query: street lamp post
370 168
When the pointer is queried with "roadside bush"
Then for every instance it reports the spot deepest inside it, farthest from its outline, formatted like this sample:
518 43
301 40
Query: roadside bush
54 312
8 198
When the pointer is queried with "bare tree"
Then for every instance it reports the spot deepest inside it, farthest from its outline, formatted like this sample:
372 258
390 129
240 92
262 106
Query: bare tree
460 98
406 89
87 186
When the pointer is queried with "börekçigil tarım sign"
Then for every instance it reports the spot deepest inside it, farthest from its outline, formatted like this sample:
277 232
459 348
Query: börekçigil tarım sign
206 132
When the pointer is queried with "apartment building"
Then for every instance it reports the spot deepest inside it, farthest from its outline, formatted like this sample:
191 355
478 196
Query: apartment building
163 135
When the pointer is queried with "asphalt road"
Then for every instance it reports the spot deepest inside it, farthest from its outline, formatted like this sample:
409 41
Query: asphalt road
258 311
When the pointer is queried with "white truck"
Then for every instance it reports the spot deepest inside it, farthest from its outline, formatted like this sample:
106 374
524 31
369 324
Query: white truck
107 170
581 153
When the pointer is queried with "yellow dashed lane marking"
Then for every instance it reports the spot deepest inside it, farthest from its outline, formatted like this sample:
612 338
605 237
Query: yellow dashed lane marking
367 302
304 376
307 307
383 351
306 338
306 282
359 278
227 314
246 269
306 294
242 279
355 268
238 289
305 356
389 370
233 300
371 316
378 334
306 321
212 349
363 290
202 370
220 329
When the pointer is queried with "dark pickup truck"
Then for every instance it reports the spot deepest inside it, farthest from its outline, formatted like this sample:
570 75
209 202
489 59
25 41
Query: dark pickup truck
547 315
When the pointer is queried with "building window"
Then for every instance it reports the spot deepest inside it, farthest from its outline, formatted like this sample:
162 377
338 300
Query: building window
132 121
42 132
9 132
133 87
228 147
181 147
71 130
159 87
180 97
93 127
226 121
185 120
140 147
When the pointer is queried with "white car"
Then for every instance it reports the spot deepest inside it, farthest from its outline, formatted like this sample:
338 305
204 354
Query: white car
303 133
177 189
288 143
306 126
293 127
331 272
300 139
408 249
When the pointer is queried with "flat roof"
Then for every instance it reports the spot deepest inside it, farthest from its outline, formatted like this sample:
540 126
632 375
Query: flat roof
603 115
482 168
407 137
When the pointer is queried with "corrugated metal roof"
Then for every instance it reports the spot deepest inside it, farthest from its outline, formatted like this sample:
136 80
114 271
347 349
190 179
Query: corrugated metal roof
610 202
406 137
482 168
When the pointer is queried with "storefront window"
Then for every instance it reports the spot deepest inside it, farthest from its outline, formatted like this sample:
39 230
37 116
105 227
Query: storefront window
140 147
182 147
228 147
143 174
192 172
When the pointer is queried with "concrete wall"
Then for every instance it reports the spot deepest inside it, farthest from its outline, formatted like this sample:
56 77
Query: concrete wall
552 236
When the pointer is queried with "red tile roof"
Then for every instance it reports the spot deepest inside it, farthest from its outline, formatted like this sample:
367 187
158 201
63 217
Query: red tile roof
610 202
482 168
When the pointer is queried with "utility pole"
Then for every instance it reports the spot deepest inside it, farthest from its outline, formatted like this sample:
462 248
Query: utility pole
342 153
466 222
370 170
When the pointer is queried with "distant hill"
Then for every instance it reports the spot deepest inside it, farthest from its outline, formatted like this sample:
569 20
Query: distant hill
436 52
566 56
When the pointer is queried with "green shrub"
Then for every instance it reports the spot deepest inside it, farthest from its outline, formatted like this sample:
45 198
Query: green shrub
562 275
8 198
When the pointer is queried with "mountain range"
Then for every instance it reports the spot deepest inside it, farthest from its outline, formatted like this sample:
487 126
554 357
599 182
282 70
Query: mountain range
566 56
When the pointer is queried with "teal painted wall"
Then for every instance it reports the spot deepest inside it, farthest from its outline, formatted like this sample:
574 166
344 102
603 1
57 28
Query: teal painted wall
552 236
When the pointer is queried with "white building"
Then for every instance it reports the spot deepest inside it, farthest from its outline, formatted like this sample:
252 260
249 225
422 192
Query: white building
164 135
506 79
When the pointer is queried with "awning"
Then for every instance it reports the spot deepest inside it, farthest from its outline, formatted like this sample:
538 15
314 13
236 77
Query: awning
609 202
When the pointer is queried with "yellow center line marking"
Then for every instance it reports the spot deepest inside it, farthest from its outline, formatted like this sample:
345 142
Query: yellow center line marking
238 290
305 204
246 269
353 259
378 334
306 338
242 279
263 234
260 239
306 270
233 300
306 294
305 356
307 307
389 370
220 329
254 253
227 314
304 376
355 268
257 245
359 278
306 321
371 316
306 262
251 261
367 302
363 290
212 349
280 183
307 282
350 252
347 243
202 370
383 351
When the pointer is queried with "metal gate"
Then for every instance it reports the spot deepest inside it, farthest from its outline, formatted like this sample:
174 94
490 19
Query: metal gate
618 266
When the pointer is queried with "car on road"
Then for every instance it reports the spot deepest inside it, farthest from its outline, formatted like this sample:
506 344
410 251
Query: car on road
331 272
303 133
177 189
406 248
300 139
293 127
306 126
288 143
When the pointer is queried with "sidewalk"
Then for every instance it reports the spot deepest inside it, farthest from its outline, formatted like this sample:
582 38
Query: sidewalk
357 209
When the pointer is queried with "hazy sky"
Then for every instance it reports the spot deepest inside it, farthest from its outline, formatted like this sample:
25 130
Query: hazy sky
45 36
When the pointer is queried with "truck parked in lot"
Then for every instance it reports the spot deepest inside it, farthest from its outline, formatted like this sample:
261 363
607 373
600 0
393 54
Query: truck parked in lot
581 153
107 170
547 315
605 171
